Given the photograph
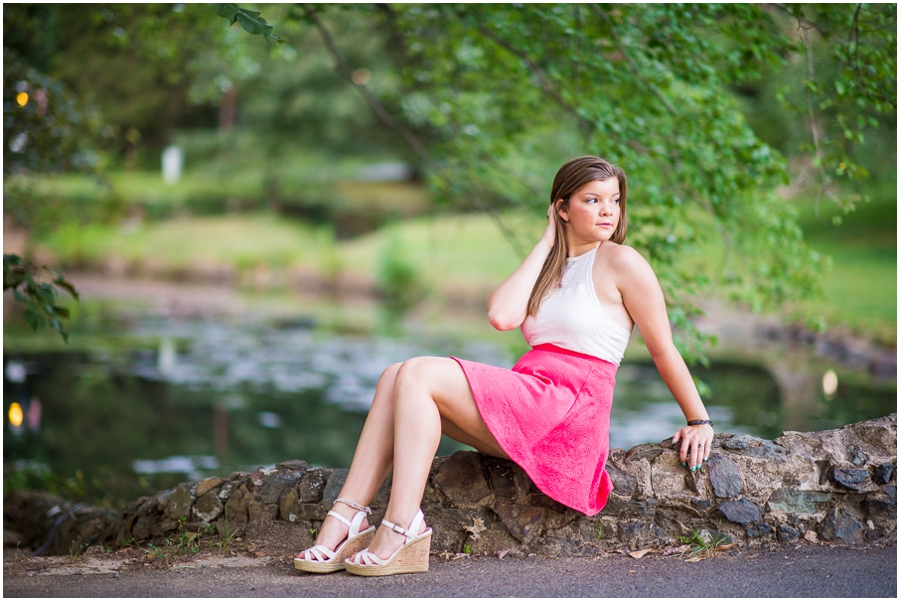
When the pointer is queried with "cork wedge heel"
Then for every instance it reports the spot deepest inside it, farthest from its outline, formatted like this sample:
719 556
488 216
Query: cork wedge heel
410 558
322 560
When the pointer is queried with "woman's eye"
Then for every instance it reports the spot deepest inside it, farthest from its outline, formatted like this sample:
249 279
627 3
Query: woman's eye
592 200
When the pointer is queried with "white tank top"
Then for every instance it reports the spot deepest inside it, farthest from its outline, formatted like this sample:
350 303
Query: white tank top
573 318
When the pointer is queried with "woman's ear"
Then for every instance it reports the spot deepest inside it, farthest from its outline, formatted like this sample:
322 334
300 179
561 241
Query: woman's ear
561 209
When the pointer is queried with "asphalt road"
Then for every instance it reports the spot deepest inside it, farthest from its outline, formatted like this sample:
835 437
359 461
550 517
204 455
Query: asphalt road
805 571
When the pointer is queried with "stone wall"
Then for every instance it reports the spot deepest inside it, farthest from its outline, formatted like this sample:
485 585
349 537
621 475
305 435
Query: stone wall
835 485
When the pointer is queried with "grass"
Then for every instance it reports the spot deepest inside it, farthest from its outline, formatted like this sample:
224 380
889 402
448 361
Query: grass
705 546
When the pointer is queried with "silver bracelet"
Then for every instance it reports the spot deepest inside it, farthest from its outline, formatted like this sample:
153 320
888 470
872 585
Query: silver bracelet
355 506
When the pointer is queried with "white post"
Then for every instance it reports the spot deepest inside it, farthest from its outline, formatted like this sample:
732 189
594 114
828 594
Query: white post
171 164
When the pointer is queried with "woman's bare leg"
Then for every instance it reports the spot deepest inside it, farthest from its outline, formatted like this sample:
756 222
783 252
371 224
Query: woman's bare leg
371 461
430 394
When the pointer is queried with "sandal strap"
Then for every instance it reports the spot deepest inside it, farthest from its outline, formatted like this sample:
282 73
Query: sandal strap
318 553
412 531
354 525
367 558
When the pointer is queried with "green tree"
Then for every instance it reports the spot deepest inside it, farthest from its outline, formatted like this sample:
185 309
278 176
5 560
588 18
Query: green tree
492 98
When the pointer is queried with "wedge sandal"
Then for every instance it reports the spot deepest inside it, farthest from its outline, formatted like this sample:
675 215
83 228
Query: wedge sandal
322 560
411 557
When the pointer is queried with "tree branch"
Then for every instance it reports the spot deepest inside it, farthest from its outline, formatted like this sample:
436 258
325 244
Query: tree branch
635 70
366 93
403 132
584 125
810 116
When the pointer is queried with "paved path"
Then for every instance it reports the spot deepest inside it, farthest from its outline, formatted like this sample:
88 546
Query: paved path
805 571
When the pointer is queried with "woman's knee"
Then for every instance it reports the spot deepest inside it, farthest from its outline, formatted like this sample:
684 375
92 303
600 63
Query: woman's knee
385 389
415 372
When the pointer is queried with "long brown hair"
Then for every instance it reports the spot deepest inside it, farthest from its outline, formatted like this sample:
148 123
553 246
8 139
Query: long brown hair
570 177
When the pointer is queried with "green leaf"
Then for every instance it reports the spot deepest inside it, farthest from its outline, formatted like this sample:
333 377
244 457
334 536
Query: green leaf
68 288
228 11
253 23
34 320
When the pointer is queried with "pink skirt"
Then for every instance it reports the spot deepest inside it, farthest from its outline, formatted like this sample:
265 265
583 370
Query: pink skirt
550 414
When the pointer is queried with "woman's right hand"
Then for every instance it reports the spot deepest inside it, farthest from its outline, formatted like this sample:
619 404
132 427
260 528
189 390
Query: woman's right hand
549 236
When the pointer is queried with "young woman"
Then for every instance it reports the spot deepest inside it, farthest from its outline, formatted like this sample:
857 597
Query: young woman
577 297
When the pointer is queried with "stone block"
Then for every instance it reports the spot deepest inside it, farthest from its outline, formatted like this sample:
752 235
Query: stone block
669 478
787 533
522 521
207 485
884 473
759 530
333 488
163 527
293 464
311 511
275 484
179 505
839 526
623 482
502 481
289 506
135 506
236 506
797 501
161 499
740 512
851 478
142 528
257 511
725 476
208 507
635 534
646 451
462 479
225 491
879 505
491 542
311 487
857 457
753 446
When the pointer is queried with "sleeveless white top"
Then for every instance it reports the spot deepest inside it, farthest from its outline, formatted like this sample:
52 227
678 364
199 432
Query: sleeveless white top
573 318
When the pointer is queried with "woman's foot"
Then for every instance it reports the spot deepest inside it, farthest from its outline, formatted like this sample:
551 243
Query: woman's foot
386 542
333 532
338 538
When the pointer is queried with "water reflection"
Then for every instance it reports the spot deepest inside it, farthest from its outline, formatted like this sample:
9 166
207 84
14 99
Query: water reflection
212 396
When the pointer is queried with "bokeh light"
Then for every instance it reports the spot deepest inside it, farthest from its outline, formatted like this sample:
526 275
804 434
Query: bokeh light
829 384
16 415
22 98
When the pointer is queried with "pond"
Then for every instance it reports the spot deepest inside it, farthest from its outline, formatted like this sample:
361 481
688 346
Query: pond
154 400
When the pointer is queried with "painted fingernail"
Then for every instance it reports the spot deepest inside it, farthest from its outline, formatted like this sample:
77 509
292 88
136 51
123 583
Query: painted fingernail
693 468
683 464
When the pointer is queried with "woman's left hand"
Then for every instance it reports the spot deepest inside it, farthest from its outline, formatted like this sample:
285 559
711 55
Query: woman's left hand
695 445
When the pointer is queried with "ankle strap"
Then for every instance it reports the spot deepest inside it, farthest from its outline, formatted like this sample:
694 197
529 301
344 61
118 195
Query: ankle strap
354 525
355 506
410 532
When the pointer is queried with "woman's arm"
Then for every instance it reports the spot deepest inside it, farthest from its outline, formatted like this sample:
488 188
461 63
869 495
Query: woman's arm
508 304
644 301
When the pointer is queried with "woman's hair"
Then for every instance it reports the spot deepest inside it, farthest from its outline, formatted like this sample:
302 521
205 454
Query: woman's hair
570 177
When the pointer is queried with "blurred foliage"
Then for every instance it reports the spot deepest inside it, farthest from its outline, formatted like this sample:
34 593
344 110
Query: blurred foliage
711 109
38 297
649 87
398 279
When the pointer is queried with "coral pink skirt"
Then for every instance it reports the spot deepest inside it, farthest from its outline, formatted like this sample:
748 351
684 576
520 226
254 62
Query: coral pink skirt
550 414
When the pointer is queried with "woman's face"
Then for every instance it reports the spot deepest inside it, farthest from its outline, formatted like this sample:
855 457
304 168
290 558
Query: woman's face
592 213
